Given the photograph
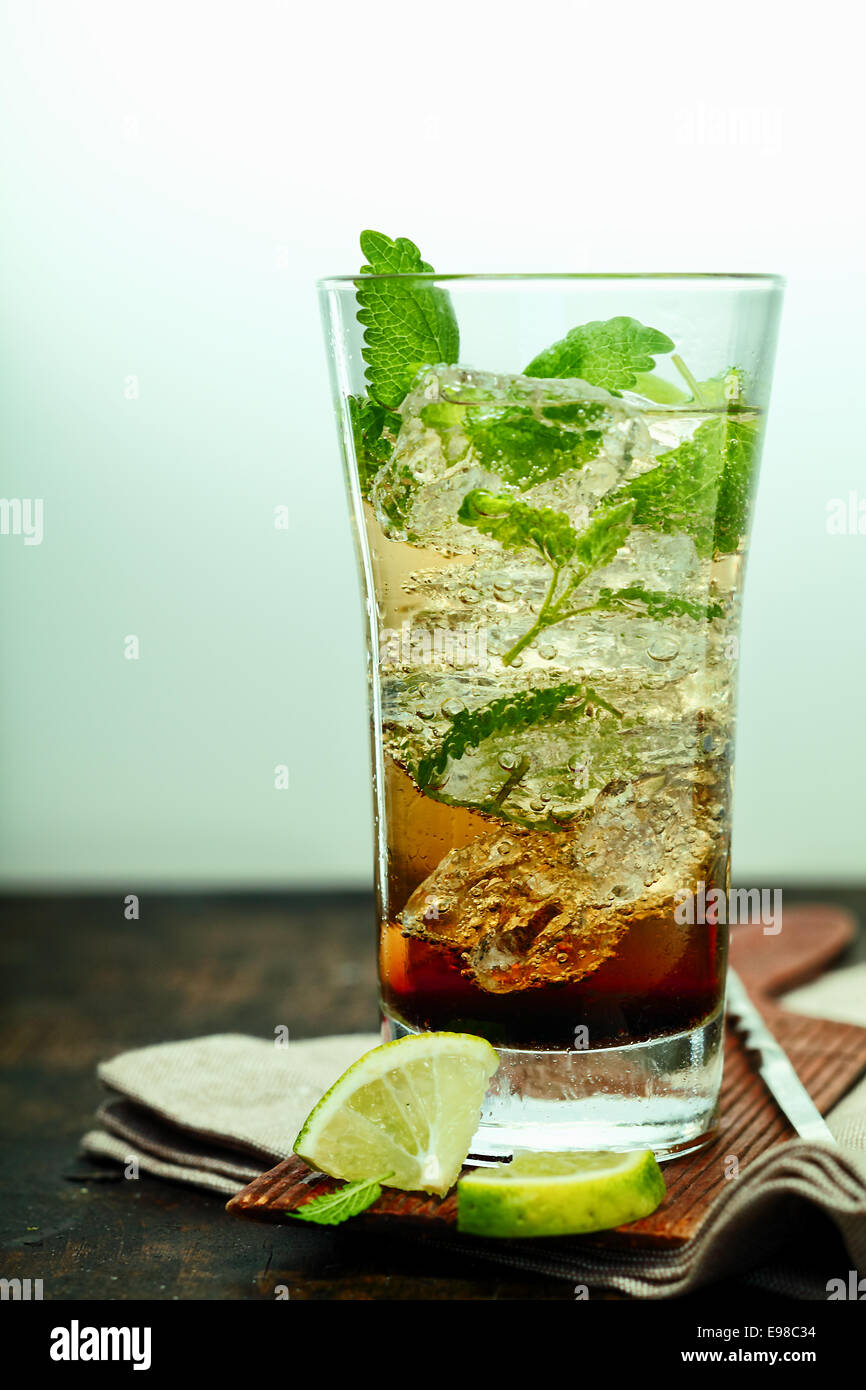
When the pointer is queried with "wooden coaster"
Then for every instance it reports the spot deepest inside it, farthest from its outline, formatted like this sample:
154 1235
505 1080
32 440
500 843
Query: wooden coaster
828 1056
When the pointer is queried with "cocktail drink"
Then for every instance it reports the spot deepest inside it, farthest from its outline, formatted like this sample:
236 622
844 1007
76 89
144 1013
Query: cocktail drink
552 539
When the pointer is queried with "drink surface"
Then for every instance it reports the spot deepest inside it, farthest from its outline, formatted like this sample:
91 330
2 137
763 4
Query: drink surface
556 652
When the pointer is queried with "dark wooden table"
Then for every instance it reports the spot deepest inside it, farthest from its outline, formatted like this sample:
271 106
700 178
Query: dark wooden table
80 983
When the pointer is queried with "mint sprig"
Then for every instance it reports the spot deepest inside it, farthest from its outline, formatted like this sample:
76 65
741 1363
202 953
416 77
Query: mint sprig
470 728
347 1201
571 555
407 324
610 353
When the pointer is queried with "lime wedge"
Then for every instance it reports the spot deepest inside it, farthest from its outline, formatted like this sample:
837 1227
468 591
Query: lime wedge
559 1194
407 1109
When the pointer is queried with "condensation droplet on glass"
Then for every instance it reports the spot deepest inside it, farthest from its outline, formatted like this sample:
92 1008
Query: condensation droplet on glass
508 761
451 708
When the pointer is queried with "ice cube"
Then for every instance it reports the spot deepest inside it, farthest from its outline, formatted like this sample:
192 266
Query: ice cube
529 908
560 443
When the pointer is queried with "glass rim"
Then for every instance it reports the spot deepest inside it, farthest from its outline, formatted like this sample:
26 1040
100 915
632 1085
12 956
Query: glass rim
752 279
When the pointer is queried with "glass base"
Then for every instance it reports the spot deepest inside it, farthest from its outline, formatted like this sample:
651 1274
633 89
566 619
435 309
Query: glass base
661 1095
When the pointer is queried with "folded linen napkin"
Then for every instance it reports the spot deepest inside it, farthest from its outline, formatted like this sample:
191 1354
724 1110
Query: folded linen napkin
216 1112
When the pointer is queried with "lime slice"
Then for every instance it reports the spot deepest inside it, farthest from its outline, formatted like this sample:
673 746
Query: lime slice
406 1111
559 1194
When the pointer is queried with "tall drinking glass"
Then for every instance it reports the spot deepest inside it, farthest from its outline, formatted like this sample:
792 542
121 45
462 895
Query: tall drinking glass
552 504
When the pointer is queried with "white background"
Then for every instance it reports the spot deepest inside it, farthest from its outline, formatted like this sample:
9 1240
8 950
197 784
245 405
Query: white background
177 176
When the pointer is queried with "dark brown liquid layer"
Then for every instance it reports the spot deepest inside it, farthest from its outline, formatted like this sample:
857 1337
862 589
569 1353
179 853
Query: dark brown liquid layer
629 998
662 978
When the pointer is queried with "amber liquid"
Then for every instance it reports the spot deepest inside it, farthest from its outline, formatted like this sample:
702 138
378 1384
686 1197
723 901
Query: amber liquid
663 977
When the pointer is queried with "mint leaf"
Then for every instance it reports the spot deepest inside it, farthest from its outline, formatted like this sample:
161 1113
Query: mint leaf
603 537
609 353
374 430
408 324
741 450
525 442
702 488
658 604
525 448
679 494
506 715
443 416
518 526
335 1207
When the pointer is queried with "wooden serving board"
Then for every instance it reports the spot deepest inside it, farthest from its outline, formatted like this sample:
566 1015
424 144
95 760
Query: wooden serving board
828 1056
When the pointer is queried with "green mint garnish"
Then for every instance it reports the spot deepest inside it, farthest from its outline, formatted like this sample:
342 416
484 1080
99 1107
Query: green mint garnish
599 542
703 488
375 431
740 449
657 604
349 1200
610 354
679 494
408 324
507 715
525 448
524 441
519 526
571 555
